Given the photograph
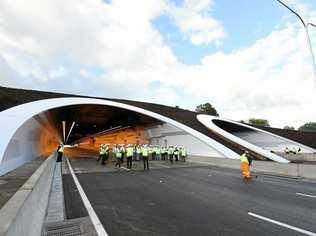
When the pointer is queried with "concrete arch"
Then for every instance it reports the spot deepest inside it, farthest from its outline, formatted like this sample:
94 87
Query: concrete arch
13 119
208 122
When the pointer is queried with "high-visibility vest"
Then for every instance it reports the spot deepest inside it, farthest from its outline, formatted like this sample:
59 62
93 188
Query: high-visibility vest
145 152
170 151
129 152
61 149
138 150
176 152
183 152
158 151
244 159
118 154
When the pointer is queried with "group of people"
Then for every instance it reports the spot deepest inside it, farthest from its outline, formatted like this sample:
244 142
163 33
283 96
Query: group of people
293 150
143 152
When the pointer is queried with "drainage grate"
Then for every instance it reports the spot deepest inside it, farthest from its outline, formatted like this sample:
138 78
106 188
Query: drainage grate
63 229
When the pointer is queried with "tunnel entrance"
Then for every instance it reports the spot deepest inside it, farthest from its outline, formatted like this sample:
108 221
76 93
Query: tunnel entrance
83 128
260 138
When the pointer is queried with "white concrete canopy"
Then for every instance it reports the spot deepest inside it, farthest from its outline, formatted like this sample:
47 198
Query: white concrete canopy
207 120
13 119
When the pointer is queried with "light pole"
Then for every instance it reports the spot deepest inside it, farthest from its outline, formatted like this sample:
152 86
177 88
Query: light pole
309 42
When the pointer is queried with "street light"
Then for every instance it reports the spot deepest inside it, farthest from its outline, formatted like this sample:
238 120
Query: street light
309 42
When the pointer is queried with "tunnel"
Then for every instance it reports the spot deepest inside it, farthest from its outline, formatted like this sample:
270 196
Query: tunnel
269 145
85 123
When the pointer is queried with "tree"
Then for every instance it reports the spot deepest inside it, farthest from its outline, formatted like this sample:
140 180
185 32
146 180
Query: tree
259 122
289 127
206 108
309 126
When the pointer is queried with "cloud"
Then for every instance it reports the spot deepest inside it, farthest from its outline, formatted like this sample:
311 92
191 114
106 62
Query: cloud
113 50
195 22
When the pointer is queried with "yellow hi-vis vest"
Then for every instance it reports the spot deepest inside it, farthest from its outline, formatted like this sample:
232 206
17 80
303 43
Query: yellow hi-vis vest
145 152
244 159
61 149
129 152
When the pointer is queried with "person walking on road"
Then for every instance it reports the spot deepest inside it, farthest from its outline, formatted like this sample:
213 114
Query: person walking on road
105 153
145 157
245 165
183 154
170 154
129 156
118 155
60 152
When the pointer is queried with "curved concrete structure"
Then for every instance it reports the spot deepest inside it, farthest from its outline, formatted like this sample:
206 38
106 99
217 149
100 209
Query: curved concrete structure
211 123
26 114
12 121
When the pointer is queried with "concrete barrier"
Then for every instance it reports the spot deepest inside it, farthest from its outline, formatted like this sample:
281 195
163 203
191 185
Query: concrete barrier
262 167
25 212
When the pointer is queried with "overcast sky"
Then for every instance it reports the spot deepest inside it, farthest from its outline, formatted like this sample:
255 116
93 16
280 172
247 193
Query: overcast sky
248 58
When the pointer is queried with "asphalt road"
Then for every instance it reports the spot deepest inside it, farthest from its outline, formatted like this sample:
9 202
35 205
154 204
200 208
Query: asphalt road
198 201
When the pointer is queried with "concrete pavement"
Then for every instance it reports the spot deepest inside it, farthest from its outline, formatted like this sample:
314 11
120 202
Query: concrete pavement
196 200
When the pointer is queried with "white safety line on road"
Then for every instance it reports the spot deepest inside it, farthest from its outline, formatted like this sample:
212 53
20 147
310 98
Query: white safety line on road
303 231
93 216
162 165
124 168
305 195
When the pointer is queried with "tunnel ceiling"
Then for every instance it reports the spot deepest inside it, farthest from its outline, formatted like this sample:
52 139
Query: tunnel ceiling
231 127
92 119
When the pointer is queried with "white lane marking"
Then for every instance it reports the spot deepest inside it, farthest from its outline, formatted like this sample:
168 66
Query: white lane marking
122 167
303 231
93 216
305 195
162 165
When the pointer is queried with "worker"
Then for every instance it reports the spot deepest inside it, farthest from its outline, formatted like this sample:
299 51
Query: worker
60 152
129 156
138 152
176 153
170 154
158 153
183 154
145 153
118 156
245 165
105 153
100 152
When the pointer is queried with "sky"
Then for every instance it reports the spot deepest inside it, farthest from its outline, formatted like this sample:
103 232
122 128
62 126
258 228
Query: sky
248 58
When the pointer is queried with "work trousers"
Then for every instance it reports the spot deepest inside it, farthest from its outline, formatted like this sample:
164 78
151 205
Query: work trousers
183 158
118 162
176 157
59 156
104 158
146 164
245 170
171 158
129 162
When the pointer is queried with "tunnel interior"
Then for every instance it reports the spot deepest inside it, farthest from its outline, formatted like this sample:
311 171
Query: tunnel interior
93 120
259 138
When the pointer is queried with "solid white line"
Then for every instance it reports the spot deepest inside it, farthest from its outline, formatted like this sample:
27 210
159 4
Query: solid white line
306 195
122 167
93 216
162 165
303 231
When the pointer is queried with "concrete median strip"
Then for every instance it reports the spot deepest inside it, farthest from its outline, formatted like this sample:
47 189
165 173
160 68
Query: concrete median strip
305 195
303 231
93 216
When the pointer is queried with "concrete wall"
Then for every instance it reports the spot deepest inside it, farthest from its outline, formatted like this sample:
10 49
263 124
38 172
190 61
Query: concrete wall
27 144
262 167
25 212
168 135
